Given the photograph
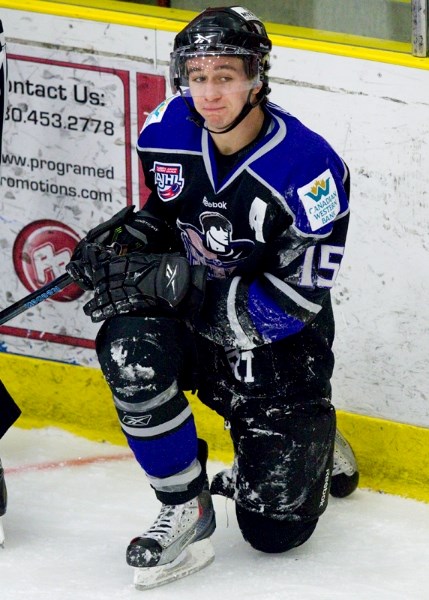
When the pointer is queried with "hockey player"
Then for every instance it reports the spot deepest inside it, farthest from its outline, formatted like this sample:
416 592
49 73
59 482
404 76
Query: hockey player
9 412
225 288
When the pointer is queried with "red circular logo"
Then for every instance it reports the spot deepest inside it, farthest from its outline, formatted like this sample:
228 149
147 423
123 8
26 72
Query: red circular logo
40 253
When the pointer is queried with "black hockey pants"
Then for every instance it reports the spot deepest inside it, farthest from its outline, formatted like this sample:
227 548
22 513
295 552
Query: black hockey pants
276 399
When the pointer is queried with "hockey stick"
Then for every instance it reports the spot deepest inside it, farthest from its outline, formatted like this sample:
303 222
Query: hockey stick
43 293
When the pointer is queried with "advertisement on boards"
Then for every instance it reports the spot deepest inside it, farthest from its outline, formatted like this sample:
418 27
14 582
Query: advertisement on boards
68 163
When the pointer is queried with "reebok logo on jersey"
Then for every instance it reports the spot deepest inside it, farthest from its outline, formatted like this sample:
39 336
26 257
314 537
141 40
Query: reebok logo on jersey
214 204
320 200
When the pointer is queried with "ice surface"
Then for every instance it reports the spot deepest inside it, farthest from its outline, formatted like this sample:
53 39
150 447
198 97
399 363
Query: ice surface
75 504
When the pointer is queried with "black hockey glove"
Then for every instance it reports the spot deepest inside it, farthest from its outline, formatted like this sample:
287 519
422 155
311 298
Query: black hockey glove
105 234
82 269
128 231
142 281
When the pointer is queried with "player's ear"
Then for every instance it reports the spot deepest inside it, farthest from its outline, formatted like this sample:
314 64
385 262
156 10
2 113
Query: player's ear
255 90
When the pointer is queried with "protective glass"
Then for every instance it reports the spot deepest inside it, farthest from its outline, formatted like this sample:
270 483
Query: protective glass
226 71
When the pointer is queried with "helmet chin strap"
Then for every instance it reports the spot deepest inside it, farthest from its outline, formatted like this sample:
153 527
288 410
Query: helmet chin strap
196 118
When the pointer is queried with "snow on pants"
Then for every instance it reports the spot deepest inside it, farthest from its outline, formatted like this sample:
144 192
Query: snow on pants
144 362
276 399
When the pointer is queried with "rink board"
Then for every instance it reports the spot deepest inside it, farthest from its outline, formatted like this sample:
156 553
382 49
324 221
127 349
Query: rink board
392 456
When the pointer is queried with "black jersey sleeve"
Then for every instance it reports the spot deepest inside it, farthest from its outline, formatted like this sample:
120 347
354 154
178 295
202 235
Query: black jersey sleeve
152 222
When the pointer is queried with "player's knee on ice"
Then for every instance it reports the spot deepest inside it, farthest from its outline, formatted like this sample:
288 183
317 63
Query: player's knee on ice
272 535
142 357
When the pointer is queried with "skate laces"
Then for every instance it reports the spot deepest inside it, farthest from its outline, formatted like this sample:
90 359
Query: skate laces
173 520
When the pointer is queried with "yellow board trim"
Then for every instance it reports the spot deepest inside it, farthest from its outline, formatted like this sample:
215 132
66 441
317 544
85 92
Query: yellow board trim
167 19
393 457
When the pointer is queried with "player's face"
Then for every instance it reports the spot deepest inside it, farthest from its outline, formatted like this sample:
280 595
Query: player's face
219 87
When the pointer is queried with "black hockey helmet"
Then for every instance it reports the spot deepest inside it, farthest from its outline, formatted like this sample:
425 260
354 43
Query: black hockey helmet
233 31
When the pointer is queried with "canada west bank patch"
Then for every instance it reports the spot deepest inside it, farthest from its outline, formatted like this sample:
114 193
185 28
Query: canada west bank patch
320 200
168 180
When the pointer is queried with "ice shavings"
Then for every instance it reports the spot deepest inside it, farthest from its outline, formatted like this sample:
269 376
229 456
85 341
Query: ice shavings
138 378
136 372
118 353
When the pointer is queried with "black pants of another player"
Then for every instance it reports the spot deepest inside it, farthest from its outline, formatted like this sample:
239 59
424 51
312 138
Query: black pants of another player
276 399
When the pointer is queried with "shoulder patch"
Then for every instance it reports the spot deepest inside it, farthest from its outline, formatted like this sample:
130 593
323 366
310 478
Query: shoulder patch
168 180
156 115
320 200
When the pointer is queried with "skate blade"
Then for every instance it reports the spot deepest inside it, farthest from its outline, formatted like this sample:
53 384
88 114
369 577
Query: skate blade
343 456
195 557
1 533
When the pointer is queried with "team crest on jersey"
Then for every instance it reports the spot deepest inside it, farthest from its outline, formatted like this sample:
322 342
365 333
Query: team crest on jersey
168 180
214 244
320 200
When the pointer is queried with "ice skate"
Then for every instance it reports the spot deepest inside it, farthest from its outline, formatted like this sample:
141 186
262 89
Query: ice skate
177 544
3 503
345 474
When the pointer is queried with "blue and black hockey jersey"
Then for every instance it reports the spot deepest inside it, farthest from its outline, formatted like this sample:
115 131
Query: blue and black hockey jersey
271 233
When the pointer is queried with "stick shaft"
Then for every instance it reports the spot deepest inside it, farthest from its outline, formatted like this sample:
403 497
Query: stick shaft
43 293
